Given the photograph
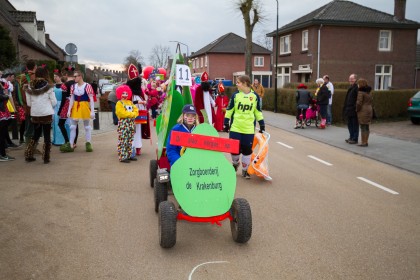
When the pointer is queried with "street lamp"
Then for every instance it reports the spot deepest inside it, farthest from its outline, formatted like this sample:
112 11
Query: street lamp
182 44
277 58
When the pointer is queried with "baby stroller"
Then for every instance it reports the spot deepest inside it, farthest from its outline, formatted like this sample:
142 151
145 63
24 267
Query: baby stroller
312 114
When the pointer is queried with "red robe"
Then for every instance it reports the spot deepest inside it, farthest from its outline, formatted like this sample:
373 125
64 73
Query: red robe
222 102
199 104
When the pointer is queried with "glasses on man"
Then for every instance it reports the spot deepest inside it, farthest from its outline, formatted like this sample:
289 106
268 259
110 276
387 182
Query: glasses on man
75 76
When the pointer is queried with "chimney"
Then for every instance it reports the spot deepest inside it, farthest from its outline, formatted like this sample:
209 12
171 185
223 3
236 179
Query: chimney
399 10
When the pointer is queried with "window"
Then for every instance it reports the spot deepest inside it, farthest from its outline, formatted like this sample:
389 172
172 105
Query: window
193 64
206 61
285 44
383 77
258 61
304 40
283 76
385 38
201 62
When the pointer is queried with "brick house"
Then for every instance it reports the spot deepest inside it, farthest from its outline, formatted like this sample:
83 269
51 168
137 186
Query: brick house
28 34
224 58
343 37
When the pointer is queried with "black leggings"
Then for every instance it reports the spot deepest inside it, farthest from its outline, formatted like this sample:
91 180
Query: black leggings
61 125
3 133
39 128
298 111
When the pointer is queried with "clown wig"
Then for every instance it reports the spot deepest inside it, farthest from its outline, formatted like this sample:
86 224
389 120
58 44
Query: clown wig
123 88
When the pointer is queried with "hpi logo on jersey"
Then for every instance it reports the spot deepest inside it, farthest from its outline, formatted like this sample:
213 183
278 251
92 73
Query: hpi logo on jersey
245 107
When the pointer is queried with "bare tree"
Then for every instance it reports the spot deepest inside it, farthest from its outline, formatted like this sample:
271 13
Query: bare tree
134 57
251 13
264 41
159 56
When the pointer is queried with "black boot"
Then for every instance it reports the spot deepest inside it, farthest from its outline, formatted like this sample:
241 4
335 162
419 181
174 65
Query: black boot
29 151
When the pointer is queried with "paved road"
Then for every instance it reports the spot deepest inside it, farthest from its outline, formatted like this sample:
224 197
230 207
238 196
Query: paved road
86 216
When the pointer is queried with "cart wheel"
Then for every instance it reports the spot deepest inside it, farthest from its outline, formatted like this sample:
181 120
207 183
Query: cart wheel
167 224
308 122
153 166
160 193
241 225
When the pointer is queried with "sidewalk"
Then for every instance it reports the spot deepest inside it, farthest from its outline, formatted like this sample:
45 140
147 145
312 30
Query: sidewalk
396 152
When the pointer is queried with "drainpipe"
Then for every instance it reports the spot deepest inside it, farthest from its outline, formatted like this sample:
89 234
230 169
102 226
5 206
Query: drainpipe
319 50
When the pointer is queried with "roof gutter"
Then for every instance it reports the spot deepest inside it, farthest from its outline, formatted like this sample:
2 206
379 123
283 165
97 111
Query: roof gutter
319 51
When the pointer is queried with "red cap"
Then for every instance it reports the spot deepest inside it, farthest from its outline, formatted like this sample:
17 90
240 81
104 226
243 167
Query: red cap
302 86
133 72
205 77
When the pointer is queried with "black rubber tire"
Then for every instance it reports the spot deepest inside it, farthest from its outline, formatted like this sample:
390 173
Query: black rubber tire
415 120
308 122
167 224
241 225
160 194
153 167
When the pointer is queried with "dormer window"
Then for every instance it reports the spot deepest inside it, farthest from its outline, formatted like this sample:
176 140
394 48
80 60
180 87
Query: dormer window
385 40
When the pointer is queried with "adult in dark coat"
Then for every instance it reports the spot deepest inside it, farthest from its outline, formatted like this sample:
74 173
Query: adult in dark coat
349 110
303 99
364 110
322 98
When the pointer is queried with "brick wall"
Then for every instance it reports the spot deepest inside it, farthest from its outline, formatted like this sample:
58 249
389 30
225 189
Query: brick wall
346 50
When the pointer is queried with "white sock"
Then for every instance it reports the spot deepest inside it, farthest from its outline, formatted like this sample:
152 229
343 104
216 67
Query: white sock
246 160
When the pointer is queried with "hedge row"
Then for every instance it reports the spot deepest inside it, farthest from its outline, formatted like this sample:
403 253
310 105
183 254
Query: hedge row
388 104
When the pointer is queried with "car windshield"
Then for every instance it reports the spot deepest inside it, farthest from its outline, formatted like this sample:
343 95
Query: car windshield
417 95
107 87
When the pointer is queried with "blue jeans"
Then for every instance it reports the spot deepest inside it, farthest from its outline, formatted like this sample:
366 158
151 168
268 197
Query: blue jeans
353 126
329 114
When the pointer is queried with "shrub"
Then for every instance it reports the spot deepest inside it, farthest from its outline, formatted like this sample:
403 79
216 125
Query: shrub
103 103
388 104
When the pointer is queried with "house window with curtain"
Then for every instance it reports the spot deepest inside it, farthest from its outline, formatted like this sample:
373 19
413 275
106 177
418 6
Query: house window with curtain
383 77
259 61
206 60
304 40
283 76
201 62
385 40
285 45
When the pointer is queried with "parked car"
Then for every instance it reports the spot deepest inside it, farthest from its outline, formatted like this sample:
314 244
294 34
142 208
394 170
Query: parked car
106 88
414 108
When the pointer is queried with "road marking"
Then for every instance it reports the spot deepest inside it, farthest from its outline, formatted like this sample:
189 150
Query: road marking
377 185
190 277
320 160
287 146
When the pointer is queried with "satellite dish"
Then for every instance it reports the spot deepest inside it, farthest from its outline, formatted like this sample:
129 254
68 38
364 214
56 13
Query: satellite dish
71 48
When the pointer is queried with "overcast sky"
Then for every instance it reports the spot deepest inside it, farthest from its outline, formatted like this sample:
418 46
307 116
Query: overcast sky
105 31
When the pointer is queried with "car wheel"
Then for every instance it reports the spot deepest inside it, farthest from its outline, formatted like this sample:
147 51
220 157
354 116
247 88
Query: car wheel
167 224
160 193
241 224
415 120
153 166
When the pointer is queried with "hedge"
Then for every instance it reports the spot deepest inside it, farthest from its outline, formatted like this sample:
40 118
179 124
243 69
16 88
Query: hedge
388 104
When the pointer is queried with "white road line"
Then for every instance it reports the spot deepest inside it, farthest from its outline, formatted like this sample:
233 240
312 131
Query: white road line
377 185
320 160
190 277
287 146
